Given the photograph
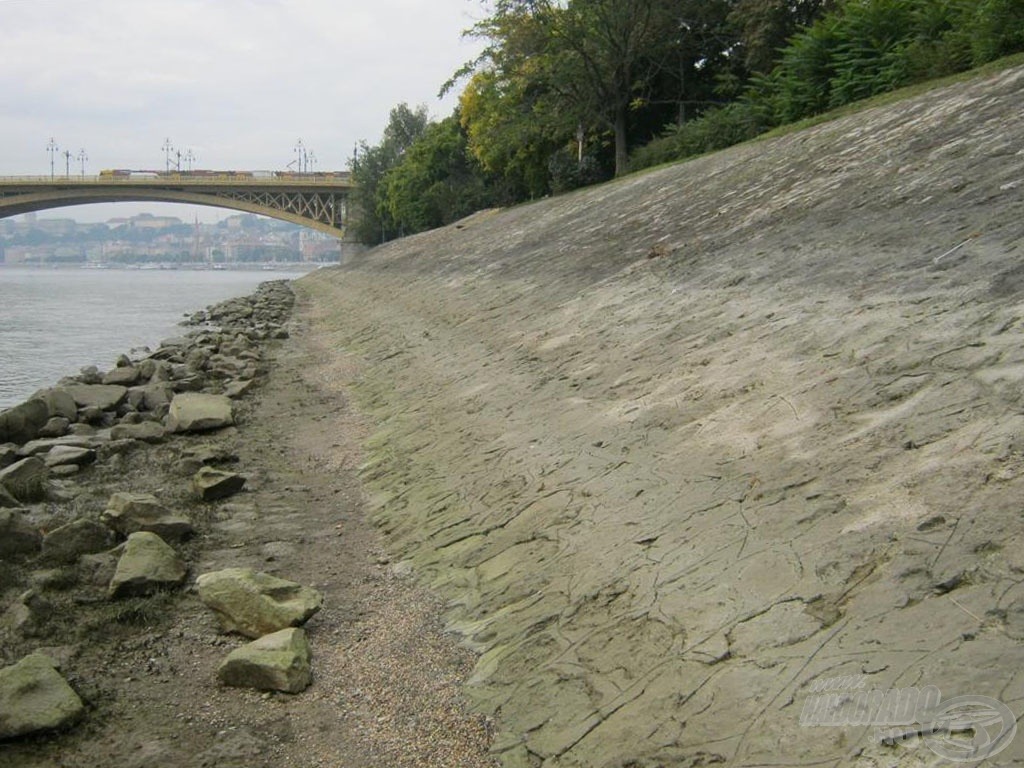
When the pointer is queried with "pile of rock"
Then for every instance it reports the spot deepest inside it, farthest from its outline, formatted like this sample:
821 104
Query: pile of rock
133 548
143 399
261 606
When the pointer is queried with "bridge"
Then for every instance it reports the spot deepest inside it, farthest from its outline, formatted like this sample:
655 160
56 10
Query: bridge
317 200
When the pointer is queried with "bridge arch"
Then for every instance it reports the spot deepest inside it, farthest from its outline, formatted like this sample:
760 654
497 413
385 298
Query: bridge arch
311 202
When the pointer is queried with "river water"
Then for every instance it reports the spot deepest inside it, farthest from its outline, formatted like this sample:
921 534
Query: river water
55 321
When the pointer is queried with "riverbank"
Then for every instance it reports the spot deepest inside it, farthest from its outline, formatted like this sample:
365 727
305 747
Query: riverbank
385 677
675 455
681 449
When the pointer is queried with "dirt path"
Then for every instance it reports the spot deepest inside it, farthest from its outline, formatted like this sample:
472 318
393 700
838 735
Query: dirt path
386 677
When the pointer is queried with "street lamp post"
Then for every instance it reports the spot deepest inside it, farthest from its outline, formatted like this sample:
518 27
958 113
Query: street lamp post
168 148
52 149
82 157
190 157
67 163
300 150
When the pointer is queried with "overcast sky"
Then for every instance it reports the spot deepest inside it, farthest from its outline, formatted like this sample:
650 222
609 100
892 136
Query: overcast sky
237 82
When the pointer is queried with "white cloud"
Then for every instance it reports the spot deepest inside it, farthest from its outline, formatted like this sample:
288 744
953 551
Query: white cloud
238 81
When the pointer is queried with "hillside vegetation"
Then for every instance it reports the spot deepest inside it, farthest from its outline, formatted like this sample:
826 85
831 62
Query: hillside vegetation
568 94
680 448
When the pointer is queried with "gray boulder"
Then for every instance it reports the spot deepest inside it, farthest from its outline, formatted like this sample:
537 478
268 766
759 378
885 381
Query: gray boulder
255 604
69 454
236 389
103 396
210 484
25 480
59 402
128 513
23 422
44 444
56 426
34 697
80 537
7 501
199 412
17 535
124 376
146 431
8 454
147 565
275 662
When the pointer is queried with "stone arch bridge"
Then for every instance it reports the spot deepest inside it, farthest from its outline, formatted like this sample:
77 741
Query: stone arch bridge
317 200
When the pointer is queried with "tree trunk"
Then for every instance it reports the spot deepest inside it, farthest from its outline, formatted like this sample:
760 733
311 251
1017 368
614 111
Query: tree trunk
621 148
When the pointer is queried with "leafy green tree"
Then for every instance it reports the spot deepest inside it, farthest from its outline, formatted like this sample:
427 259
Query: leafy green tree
765 26
372 220
437 181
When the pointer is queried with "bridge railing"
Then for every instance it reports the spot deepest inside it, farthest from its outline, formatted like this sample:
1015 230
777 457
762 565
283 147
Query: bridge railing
145 177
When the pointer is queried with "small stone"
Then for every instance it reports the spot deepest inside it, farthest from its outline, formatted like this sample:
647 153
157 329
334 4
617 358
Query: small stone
210 484
275 662
147 565
35 697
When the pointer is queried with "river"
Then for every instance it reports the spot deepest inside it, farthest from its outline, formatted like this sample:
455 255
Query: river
55 321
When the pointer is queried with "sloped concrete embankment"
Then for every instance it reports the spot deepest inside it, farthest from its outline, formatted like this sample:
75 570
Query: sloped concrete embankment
678 447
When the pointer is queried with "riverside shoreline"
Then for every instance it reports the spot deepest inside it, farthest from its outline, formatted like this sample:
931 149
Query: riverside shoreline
680 448
385 676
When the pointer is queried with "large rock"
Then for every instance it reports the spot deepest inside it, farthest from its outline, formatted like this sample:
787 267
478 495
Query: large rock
198 412
128 513
147 564
8 454
69 454
275 662
34 697
56 426
106 397
59 402
124 376
79 537
25 480
211 484
23 422
45 444
7 501
255 604
147 431
17 535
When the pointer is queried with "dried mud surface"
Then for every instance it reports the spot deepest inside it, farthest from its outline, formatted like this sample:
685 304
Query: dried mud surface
679 448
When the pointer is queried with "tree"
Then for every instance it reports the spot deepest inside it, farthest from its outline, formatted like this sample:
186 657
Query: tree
373 223
437 180
765 26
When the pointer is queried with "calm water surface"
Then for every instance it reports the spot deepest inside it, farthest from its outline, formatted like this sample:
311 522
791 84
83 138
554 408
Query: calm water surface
55 321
